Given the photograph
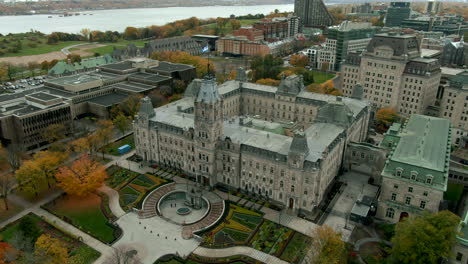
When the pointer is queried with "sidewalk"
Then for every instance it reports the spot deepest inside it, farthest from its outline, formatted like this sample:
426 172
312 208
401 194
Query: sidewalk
232 251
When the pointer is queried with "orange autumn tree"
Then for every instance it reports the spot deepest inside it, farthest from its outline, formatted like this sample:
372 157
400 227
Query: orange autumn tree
4 248
201 64
386 116
83 177
268 81
327 87
299 60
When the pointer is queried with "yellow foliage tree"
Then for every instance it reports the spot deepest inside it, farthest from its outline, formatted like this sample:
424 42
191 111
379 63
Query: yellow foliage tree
386 116
52 249
299 60
41 168
268 81
327 247
327 87
82 177
201 64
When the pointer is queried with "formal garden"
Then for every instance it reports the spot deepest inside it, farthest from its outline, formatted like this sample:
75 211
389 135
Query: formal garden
245 227
89 214
132 186
195 259
23 235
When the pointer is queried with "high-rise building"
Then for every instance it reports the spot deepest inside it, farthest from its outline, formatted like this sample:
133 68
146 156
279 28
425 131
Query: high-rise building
313 13
396 13
342 39
393 74
433 6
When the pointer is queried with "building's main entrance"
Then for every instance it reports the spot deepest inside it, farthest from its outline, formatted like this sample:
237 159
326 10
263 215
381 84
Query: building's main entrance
291 203
403 215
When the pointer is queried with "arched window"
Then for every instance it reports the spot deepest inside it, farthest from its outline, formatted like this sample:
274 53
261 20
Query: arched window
292 188
281 184
390 213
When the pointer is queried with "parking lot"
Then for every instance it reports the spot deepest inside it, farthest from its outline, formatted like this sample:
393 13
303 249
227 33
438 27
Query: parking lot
23 84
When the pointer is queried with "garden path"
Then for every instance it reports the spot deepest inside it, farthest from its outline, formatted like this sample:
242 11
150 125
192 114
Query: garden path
114 204
363 241
232 251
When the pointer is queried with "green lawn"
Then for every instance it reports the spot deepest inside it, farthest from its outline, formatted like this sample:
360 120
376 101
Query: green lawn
112 148
31 44
85 213
228 28
321 77
117 45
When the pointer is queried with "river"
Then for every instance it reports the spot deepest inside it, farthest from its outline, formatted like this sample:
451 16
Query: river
119 19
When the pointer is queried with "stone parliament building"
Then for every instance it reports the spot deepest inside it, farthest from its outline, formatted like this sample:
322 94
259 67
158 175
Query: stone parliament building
283 143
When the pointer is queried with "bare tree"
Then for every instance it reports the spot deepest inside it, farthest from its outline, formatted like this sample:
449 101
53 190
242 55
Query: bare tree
123 255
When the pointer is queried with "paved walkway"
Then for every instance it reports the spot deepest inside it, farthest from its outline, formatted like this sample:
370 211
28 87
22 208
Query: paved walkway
114 203
232 251
363 241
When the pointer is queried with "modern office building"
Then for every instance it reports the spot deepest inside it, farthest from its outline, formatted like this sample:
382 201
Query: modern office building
415 175
313 13
25 115
280 143
393 74
396 13
433 6
343 39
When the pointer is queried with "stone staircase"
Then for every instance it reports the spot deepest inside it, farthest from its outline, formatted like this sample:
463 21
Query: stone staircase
149 205
216 211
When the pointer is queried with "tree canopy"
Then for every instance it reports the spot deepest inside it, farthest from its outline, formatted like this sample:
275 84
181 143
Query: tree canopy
424 239
327 247
82 177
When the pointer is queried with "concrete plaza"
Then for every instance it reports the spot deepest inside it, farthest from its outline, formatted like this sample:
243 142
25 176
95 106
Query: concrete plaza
153 238
356 185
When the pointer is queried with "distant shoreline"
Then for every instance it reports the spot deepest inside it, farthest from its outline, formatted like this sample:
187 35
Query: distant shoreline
81 11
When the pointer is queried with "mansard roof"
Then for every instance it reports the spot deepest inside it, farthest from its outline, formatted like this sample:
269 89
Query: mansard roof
146 107
208 93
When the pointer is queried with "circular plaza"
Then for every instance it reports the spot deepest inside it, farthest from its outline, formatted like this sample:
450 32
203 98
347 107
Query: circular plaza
187 205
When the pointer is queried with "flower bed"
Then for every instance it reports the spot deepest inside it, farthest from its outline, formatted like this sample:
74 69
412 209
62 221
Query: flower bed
239 224
271 238
296 248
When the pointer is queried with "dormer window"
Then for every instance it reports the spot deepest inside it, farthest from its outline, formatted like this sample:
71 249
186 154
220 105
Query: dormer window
429 179
414 175
399 172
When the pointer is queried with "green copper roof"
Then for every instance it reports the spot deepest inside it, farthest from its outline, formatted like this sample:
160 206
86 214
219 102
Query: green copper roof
63 67
420 152
424 142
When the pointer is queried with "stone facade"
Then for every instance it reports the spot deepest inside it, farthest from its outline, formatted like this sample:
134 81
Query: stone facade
393 74
454 106
415 175
280 143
